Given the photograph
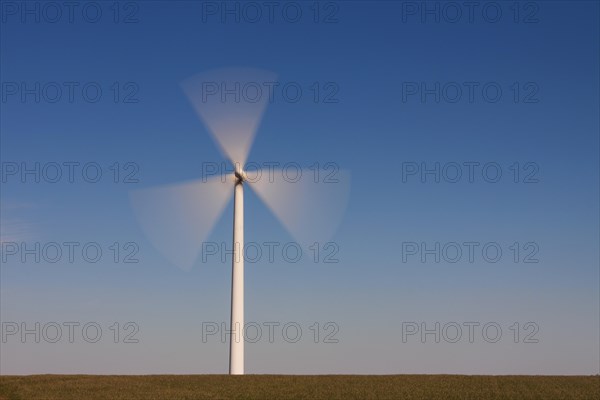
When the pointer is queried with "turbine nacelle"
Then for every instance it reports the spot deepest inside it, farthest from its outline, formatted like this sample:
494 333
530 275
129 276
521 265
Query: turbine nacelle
240 174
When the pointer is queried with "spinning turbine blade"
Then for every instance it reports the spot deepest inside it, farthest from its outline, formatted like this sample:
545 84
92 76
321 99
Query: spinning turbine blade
231 103
310 208
177 218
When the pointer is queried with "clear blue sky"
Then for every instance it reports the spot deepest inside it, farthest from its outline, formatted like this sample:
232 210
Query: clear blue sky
372 55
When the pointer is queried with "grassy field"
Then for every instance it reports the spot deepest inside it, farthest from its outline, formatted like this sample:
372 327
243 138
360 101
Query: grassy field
182 387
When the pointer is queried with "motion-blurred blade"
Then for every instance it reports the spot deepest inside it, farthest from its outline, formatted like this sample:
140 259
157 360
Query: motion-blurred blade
311 207
178 218
231 103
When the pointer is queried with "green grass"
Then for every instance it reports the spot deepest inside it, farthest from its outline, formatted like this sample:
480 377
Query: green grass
182 387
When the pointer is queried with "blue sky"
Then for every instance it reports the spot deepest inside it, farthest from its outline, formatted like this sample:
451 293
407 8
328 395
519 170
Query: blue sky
368 56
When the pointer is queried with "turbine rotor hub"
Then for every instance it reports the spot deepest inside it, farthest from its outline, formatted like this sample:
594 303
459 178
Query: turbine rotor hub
240 175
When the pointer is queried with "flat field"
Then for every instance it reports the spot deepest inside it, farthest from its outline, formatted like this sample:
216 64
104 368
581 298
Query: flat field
183 387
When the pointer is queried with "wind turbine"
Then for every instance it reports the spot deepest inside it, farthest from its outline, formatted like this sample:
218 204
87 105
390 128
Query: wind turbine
177 218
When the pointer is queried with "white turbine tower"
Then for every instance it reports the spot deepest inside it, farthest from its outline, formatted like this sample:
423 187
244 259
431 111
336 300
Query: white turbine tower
236 345
177 218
